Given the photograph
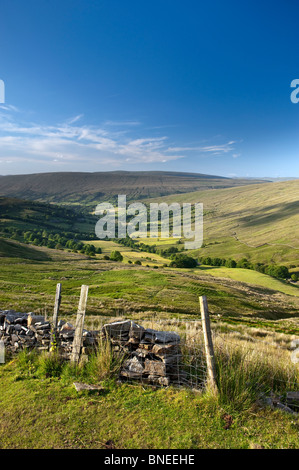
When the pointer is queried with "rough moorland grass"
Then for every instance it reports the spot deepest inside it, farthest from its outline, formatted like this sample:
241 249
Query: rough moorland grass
259 222
103 364
250 363
41 409
127 290
245 375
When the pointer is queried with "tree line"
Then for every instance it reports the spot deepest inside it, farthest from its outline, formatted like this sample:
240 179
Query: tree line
280 272
179 259
58 241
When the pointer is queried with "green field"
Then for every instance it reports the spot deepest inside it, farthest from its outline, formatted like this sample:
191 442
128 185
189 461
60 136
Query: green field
253 278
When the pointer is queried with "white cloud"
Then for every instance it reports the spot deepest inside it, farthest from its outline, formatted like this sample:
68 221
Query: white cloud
9 107
122 123
73 143
75 119
76 143
207 149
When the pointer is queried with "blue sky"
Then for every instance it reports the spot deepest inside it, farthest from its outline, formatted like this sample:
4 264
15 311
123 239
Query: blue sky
149 85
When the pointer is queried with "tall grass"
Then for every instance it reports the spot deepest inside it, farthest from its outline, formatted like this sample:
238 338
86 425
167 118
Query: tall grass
103 364
250 363
247 366
248 372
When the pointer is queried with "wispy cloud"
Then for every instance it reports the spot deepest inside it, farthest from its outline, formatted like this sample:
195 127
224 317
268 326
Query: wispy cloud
122 123
219 149
70 142
73 144
8 107
75 119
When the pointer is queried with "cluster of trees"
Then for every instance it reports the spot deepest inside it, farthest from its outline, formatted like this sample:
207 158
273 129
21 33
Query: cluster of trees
181 260
62 240
164 252
70 241
116 256
136 246
280 272
168 252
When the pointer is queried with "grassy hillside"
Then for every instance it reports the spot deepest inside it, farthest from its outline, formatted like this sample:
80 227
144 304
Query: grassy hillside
259 222
48 413
252 330
27 215
92 188
9 249
140 291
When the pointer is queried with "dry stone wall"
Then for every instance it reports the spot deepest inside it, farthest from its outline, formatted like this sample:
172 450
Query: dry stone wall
153 356
150 356
27 330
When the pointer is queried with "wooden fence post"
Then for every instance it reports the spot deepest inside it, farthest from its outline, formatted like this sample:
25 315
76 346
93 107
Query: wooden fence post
2 352
55 318
209 349
79 325
56 306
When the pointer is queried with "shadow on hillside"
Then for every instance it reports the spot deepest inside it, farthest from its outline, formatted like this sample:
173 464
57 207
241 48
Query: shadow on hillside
10 249
281 211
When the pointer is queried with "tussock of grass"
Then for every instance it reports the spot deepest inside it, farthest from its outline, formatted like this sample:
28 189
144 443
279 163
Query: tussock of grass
247 371
250 363
102 364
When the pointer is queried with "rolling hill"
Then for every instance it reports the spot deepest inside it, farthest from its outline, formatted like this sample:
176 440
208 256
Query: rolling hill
91 188
25 215
259 221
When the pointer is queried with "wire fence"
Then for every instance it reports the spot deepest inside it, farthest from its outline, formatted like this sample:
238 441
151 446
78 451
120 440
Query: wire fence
260 361
248 363
161 352
237 362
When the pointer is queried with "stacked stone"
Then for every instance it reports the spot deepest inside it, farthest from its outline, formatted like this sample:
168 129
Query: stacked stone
65 335
154 357
14 331
27 331
150 356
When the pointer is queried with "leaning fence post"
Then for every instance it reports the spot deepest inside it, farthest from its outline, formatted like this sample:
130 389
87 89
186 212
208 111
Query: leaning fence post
209 349
56 306
55 318
2 352
79 325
